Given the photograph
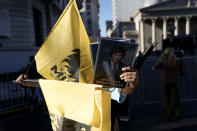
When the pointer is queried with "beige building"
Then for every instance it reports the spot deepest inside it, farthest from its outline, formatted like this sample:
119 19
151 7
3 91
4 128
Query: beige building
169 18
89 14
122 10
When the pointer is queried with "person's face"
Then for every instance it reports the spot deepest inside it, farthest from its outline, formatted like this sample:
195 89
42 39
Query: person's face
117 57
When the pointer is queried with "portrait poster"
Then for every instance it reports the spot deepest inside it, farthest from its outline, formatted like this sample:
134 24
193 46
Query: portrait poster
103 72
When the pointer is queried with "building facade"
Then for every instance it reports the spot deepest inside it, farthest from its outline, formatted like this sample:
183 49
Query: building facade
168 18
122 12
25 24
89 13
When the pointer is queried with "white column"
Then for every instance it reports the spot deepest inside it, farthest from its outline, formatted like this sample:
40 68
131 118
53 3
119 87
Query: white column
142 35
176 24
153 30
164 28
187 26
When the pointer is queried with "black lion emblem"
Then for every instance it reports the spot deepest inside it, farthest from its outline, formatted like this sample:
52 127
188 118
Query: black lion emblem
69 68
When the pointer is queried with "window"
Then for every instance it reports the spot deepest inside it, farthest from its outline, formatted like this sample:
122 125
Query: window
37 15
89 22
88 7
5 26
89 13
89 34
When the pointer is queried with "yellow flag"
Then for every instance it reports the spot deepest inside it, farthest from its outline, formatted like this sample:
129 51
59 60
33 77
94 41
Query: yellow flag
79 102
65 54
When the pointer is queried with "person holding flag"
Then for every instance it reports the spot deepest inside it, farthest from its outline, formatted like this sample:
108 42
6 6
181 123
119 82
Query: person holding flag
64 60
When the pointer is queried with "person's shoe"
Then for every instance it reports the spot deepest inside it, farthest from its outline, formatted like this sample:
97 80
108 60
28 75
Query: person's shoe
124 118
121 118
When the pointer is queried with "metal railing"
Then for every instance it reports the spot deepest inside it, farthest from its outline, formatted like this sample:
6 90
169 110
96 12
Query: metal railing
11 94
148 92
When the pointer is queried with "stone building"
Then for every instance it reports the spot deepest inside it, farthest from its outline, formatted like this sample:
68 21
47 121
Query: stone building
168 18
24 25
89 13
122 12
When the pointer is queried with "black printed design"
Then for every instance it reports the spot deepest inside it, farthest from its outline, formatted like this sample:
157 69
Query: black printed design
68 69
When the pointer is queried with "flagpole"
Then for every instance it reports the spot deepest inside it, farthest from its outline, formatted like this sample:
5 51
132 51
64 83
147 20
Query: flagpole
28 68
63 5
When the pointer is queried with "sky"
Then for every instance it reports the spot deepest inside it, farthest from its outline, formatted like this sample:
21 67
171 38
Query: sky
105 13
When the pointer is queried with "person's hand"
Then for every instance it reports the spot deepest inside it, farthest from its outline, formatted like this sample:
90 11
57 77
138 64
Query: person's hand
20 79
131 77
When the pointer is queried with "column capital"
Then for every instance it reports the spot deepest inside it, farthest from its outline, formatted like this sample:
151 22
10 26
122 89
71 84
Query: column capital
164 18
188 17
153 19
177 17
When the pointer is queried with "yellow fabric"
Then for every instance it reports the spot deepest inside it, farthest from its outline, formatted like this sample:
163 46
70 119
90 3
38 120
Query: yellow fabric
104 108
68 34
79 102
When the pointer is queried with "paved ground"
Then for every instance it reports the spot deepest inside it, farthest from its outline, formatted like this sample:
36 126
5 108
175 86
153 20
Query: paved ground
156 123
26 122
39 121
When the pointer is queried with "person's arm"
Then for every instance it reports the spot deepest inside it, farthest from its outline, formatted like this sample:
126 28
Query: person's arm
131 77
22 77
157 64
173 63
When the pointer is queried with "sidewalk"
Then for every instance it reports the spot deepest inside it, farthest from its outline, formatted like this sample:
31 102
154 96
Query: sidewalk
24 121
151 119
41 122
156 123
